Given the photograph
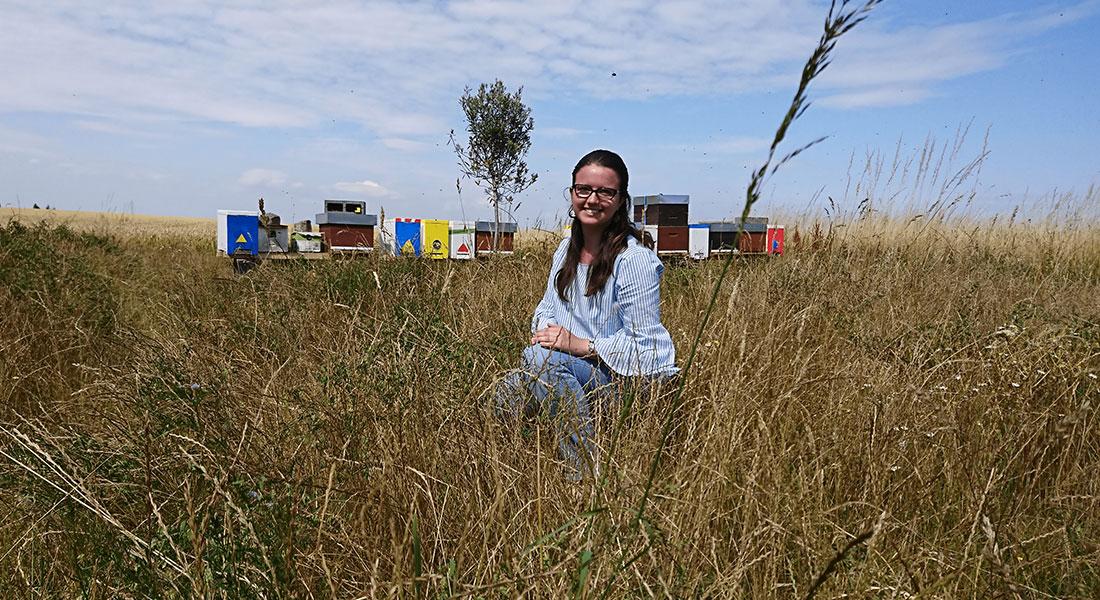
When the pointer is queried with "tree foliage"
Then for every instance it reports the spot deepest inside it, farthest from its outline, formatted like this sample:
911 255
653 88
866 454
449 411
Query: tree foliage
499 126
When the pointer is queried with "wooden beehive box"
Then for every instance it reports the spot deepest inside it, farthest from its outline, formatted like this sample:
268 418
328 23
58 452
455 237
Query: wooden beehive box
483 237
754 239
345 238
662 210
672 239
462 239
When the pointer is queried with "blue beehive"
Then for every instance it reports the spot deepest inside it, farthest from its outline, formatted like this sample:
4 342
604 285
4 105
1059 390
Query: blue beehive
243 234
238 232
407 237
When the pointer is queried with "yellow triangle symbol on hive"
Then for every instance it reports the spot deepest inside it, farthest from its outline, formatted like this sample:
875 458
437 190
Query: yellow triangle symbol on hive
407 249
241 240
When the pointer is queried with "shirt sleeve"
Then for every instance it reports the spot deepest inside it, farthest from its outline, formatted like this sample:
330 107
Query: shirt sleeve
545 311
638 347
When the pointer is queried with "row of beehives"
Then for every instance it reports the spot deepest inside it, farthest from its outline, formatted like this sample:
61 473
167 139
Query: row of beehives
437 238
664 218
345 226
248 233
701 240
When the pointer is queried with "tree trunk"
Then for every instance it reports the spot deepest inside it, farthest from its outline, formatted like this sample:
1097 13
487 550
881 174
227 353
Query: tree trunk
496 221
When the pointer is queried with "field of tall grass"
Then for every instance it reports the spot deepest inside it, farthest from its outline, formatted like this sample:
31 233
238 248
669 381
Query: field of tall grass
898 407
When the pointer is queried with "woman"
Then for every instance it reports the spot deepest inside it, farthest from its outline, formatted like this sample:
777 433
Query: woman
599 319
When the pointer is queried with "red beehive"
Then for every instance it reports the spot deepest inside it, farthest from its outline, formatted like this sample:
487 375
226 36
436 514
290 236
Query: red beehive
348 237
753 242
661 210
483 237
775 240
672 239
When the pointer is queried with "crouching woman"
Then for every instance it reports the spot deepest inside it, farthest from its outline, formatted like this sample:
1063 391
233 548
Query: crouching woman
599 321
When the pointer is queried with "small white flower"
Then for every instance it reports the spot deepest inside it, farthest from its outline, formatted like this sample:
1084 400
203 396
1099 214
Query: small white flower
894 468
1092 375
1014 384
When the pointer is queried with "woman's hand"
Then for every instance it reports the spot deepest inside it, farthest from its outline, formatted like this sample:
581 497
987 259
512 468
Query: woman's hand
556 337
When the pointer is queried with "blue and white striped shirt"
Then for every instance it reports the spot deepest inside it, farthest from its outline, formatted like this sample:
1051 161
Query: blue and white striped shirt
623 320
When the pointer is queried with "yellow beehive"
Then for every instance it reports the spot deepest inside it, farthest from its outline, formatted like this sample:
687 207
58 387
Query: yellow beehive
436 239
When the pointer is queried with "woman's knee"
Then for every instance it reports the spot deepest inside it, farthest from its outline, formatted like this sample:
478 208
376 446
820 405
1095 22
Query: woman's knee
535 358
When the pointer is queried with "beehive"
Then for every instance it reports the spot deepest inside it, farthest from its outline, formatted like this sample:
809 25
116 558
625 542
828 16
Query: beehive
274 238
672 239
238 232
753 241
462 239
436 238
775 240
386 238
345 238
406 234
698 241
662 210
483 237
305 241
346 212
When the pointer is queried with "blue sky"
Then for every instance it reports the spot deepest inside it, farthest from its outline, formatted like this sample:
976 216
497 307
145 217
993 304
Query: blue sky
185 108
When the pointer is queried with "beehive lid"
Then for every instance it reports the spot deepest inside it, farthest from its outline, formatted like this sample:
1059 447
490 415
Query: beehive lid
505 227
346 218
752 225
240 213
661 199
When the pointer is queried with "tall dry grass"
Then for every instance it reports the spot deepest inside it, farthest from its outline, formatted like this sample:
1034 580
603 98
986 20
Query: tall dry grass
318 429
903 406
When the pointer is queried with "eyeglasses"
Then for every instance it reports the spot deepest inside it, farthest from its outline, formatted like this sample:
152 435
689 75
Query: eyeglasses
584 191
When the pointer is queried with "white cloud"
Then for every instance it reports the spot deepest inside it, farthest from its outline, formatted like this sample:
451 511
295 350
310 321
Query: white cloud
396 68
876 97
20 142
735 145
258 177
402 144
879 65
364 188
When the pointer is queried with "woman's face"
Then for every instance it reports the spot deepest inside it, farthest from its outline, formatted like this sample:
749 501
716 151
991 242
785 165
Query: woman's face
595 210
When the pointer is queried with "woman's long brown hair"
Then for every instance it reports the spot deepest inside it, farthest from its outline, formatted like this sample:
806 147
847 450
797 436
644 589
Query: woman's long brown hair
614 238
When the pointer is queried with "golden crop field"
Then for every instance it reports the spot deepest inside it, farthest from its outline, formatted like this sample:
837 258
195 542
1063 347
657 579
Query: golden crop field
895 408
112 223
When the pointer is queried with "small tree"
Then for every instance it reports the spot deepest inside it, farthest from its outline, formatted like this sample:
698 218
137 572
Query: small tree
499 125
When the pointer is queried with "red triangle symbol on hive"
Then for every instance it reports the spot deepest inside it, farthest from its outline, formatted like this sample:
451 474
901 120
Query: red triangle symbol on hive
463 249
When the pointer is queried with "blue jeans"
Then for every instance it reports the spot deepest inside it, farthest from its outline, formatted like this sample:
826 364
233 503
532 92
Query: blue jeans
570 390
